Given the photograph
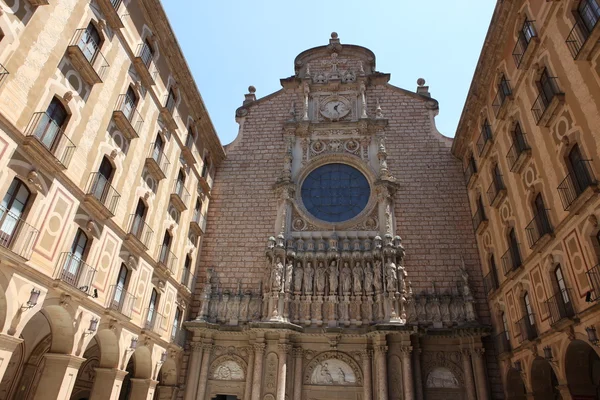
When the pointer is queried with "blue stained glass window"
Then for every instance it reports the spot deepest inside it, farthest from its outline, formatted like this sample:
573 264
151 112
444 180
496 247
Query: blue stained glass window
335 192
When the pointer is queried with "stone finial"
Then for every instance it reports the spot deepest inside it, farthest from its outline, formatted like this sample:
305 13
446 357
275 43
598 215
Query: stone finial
334 42
422 89
250 96
378 111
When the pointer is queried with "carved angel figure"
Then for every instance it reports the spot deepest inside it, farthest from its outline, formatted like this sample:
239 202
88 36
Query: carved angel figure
289 270
368 277
320 281
402 275
357 273
309 272
346 278
333 278
298 275
276 275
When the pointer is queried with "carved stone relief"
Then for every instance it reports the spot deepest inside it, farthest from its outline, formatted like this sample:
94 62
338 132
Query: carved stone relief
333 368
441 377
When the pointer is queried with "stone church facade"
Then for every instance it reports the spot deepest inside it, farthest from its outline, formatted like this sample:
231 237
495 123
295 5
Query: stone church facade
339 259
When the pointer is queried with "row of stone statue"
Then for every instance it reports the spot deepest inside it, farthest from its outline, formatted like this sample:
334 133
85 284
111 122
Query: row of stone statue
339 277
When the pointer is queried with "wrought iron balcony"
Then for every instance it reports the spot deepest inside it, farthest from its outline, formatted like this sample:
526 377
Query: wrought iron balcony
101 195
144 64
496 191
3 74
470 172
167 259
538 227
43 137
527 328
157 163
120 300
198 223
594 278
188 280
502 96
523 48
576 182
547 101
75 272
511 260
189 151
490 282
127 118
153 320
518 152
166 112
179 336
502 342
561 306
180 196
139 231
86 57
479 219
110 9
16 235
485 138
585 33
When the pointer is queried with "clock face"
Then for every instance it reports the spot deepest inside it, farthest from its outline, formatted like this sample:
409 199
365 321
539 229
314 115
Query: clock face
335 109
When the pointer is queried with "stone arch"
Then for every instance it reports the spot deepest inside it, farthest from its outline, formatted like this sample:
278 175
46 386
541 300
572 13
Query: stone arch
543 380
142 362
448 360
231 362
61 327
108 345
86 374
168 373
317 365
581 365
515 387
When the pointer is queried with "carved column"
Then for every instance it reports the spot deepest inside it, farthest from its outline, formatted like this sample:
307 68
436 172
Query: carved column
141 389
480 378
203 379
468 371
407 373
284 349
8 344
107 384
58 376
417 373
380 360
259 352
298 353
366 356
248 390
194 371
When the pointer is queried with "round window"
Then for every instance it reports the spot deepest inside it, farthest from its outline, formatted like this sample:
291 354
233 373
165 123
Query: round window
335 192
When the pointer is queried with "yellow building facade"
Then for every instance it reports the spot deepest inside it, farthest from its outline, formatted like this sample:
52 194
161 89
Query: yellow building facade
107 155
529 141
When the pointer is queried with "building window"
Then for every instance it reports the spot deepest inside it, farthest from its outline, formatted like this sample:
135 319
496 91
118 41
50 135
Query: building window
152 309
165 249
73 266
176 323
206 166
579 168
528 309
120 288
101 186
158 149
171 100
147 54
524 37
130 103
90 43
503 92
505 325
470 170
588 12
52 124
561 285
12 209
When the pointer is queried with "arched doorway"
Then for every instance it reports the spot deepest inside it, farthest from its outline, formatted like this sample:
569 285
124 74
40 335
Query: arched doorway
582 367
544 381
167 381
515 388
126 386
87 372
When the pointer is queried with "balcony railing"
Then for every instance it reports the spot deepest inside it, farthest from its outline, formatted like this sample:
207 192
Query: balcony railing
199 220
167 259
87 57
3 74
76 273
519 149
561 306
128 119
585 25
496 189
170 103
153 320
527 329
120 300
16 235
523 42
485 137
470 171
478 218
180 195
139 229
576 182
110 9
502 342
541 106
179 336
490 282
504 92
144 64
511 260
538 227
51 137
157 162
100 189
594 278
188 280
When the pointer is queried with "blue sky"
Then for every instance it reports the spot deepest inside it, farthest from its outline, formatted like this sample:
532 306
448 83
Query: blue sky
231 44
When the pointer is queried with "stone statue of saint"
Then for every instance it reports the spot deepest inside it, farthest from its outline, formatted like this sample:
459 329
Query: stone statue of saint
465 277
333 278
391 276
377 279
309 272
320 278
298 274
276 275
346 278
402 275
289 271
357 273
368 277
